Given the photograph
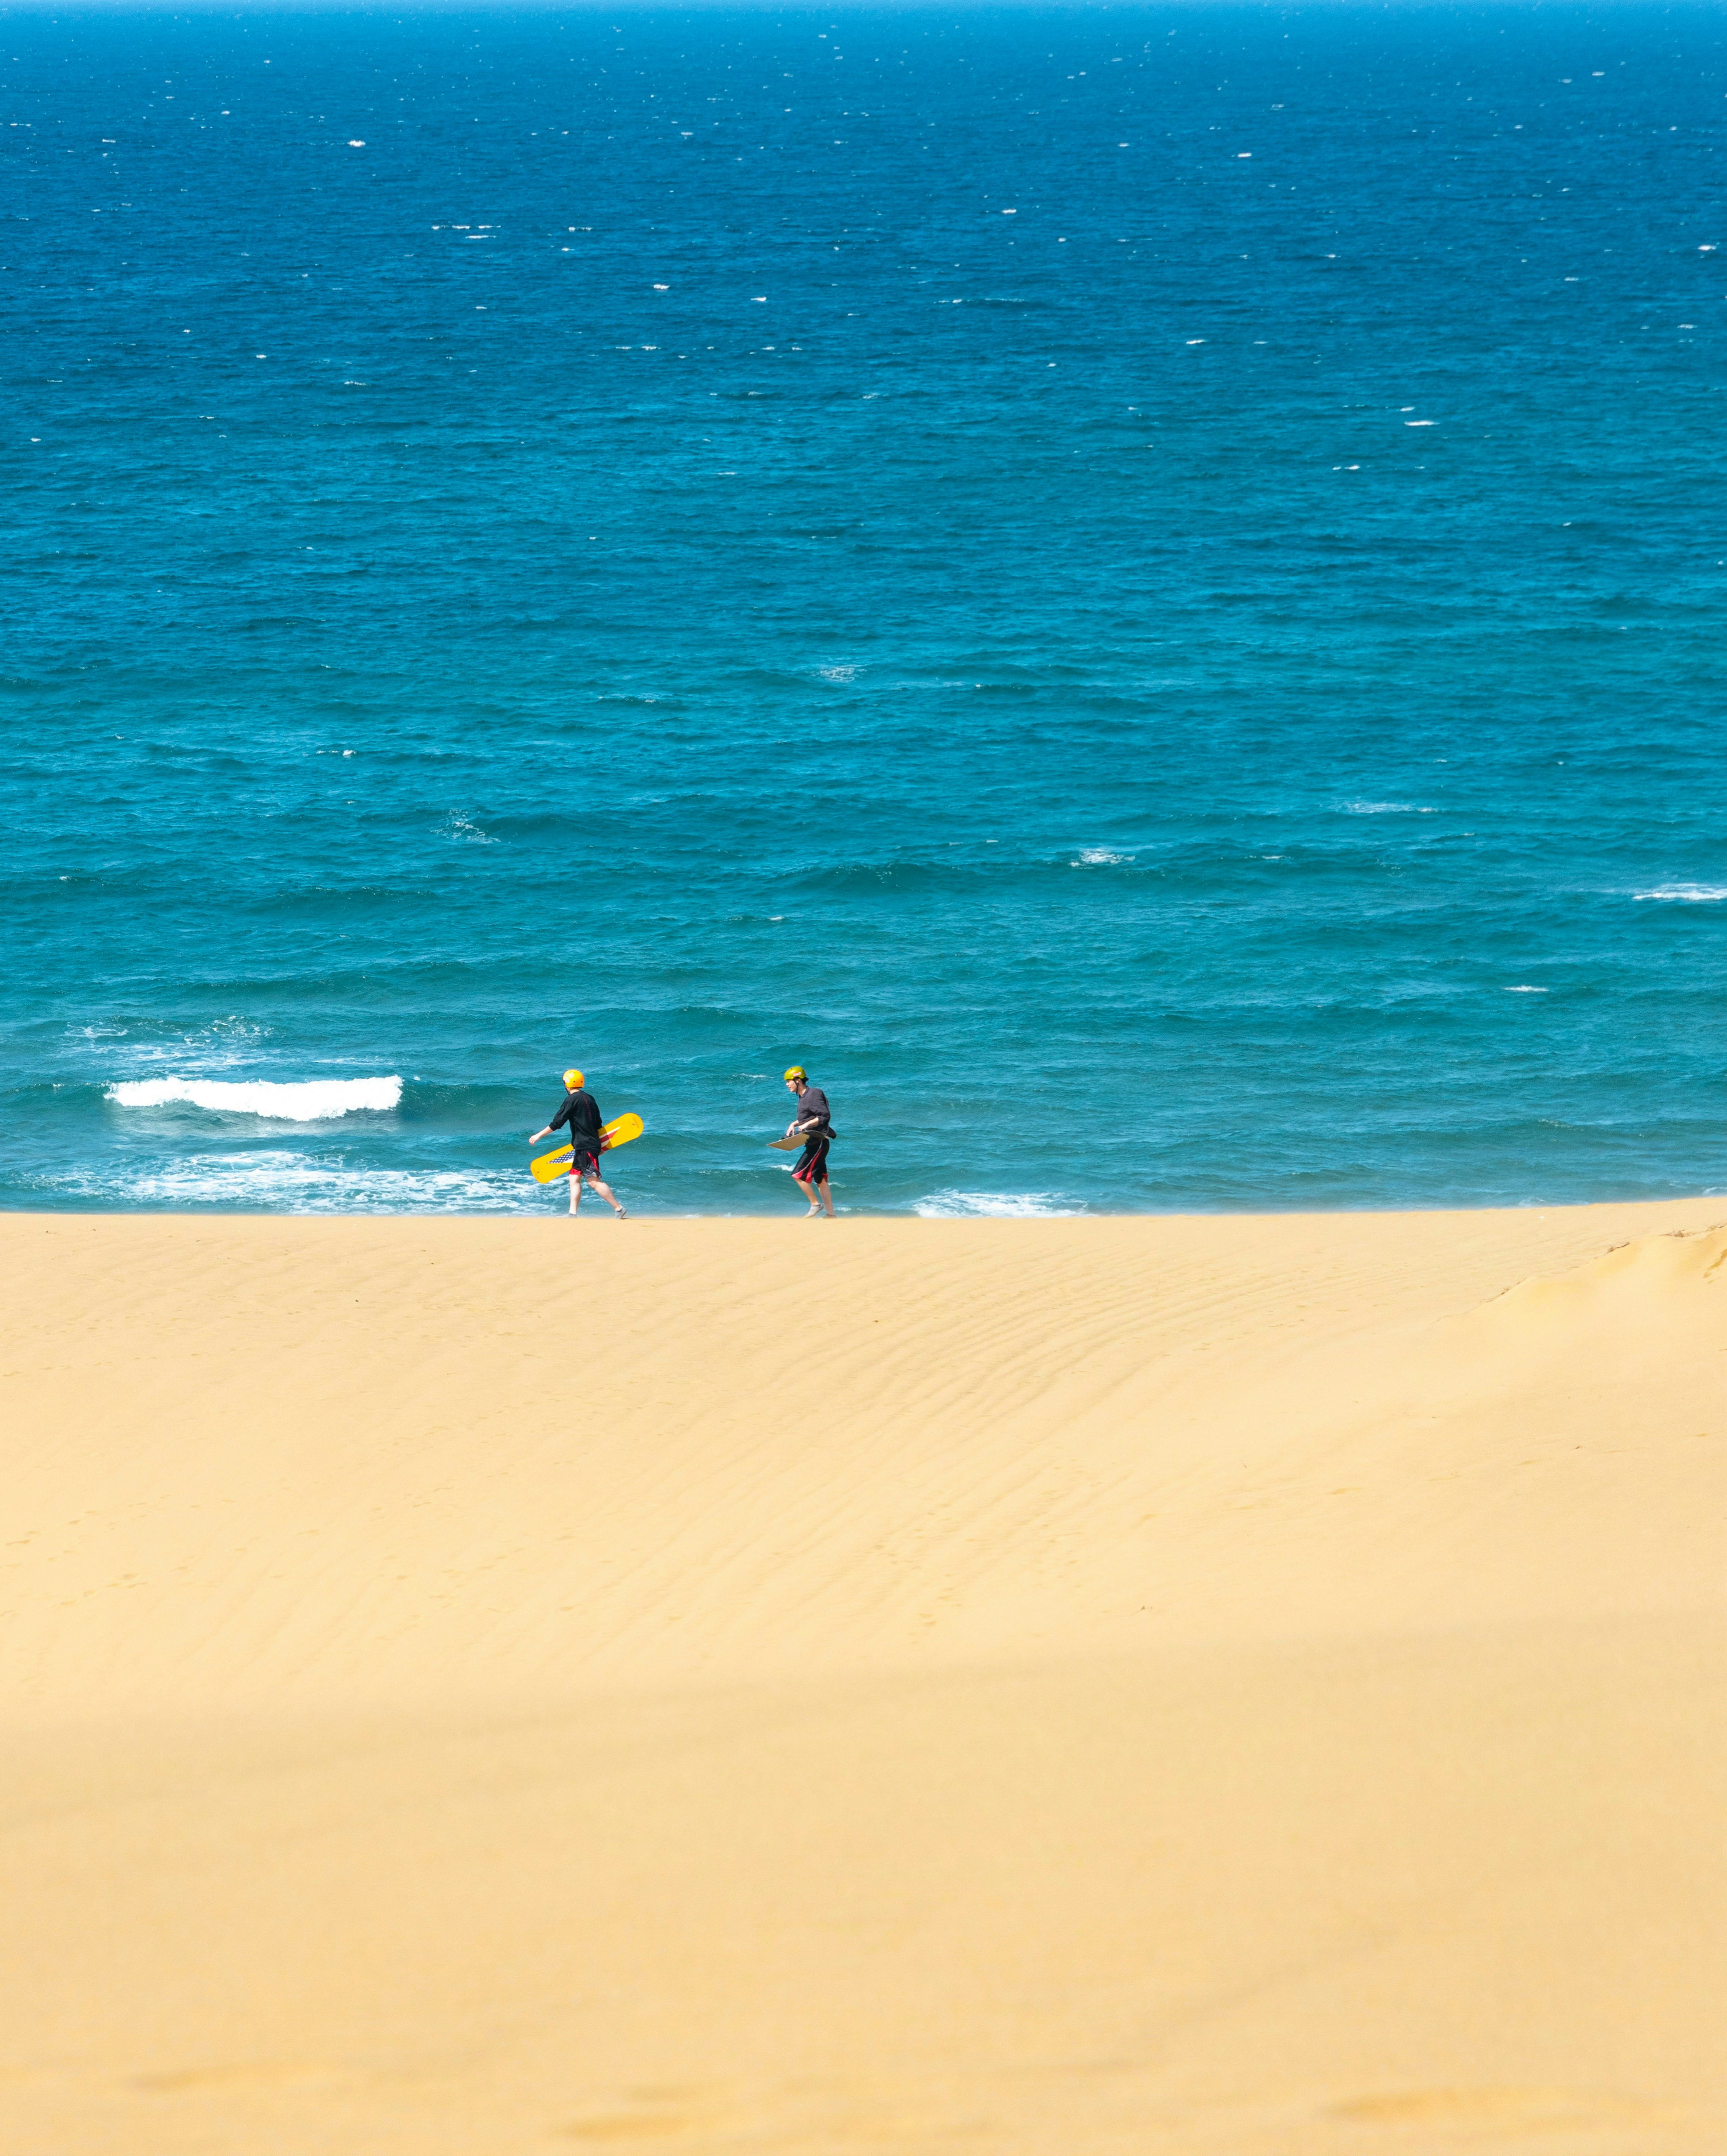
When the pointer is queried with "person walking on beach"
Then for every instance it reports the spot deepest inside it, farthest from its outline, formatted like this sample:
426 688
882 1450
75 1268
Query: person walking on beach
814 1125
578 1112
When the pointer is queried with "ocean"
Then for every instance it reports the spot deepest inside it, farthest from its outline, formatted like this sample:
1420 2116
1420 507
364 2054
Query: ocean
1141 590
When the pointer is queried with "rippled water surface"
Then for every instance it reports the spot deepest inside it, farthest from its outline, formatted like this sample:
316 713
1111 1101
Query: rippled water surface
1140 590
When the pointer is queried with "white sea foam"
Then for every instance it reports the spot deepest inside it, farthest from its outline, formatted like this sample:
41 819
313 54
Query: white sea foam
219 1045
1099 857
1525 989
291 1183
1383 809
314 1101
995 1205
1686 894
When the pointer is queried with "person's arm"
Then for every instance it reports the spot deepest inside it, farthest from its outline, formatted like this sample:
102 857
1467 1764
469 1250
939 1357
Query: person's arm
562 1116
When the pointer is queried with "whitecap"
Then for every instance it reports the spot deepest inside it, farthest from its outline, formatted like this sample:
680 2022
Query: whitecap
311 1101
1382 809
1523 989
995 1205
1686 894
221 1043
1097 857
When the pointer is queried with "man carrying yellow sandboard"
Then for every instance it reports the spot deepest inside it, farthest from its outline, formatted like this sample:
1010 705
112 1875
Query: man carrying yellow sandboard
578 1112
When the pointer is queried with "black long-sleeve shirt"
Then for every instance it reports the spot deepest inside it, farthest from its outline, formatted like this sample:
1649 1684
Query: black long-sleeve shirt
579 1112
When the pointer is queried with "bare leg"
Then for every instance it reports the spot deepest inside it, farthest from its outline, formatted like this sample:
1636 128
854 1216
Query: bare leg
605 1191
827 1196
802 1183
575 1193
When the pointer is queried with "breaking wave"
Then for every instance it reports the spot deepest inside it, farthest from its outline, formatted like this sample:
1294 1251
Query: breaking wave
314 1101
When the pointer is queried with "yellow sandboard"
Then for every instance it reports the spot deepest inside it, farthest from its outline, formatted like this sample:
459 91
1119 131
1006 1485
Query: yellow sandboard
551 1165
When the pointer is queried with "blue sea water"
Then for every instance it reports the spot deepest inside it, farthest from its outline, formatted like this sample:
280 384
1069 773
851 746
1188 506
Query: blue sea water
1142 590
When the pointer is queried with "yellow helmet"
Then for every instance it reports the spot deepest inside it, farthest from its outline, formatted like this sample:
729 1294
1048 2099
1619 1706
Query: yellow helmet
797 1070
571 1079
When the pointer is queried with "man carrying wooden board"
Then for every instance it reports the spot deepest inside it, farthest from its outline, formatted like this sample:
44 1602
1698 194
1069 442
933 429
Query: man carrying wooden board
813 1124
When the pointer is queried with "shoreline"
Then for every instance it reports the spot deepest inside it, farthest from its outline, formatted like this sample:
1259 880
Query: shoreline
551 1210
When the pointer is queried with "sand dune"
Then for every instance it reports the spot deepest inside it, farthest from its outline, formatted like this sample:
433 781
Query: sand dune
1190 1685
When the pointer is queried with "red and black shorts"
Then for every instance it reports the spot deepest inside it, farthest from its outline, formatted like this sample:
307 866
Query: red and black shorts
584 1164
812 1162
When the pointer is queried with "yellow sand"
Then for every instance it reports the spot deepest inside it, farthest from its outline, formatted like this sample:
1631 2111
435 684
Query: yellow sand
1142 1686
